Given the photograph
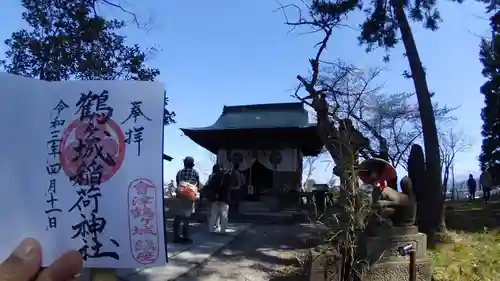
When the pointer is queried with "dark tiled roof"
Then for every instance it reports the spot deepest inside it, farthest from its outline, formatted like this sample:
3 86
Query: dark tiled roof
260 125
279 115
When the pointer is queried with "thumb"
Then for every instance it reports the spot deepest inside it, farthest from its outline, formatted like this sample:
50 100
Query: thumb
24 263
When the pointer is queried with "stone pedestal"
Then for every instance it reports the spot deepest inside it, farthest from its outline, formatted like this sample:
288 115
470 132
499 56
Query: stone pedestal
386 263
322 266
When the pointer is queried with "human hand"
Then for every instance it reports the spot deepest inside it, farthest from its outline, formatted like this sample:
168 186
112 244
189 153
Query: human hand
24 264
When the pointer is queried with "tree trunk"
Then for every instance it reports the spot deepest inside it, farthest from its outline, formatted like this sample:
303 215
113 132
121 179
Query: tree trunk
435 219
453 176
446 176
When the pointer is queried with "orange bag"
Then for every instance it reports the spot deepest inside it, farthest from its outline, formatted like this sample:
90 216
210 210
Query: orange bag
187 190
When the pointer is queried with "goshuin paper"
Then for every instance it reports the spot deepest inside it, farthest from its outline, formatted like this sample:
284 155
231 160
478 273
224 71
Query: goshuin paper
81 169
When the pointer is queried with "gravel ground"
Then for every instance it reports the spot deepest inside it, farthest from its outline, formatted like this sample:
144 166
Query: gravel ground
264 252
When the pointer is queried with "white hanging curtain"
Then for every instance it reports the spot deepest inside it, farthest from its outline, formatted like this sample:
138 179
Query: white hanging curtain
283 160
288 160
223 160
245 158
263 156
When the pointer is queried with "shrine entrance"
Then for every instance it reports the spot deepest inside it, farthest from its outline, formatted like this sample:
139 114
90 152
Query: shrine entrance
266 143
268 173
259 181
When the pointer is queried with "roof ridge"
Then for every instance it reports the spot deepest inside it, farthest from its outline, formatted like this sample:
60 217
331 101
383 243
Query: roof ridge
296 106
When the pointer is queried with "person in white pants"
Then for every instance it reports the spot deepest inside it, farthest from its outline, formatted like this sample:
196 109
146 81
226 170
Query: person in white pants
218 220
218 185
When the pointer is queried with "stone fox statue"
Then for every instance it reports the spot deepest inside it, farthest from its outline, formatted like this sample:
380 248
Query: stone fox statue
399 207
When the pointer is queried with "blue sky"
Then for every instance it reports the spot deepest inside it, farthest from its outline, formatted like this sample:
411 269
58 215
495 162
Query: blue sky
222 52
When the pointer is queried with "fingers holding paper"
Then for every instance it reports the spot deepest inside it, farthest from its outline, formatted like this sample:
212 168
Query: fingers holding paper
64 268
24 264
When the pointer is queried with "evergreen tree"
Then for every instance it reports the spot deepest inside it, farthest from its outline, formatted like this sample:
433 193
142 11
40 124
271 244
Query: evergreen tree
489 56
69 40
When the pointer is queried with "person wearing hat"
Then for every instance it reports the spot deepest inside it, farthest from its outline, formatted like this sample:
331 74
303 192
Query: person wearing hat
185 206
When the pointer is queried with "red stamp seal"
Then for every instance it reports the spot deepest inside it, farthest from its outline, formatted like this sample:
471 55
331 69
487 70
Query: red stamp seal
143 221
93 143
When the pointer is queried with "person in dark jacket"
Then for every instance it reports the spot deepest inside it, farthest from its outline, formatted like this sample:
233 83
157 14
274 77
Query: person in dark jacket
219 193
237 181
471 184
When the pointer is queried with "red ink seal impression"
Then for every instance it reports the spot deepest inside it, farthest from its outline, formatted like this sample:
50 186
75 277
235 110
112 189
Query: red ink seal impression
143 221
98 143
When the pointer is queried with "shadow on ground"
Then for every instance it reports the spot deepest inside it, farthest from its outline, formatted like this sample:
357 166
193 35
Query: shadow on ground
263 252
473 216
271 244
194 228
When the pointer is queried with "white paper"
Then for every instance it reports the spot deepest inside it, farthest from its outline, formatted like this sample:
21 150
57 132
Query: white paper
131 200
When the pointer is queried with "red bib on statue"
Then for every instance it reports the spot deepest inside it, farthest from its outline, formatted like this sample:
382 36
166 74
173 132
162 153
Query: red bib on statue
376 171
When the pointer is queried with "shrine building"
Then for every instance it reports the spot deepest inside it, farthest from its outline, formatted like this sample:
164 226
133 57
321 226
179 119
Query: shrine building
266 143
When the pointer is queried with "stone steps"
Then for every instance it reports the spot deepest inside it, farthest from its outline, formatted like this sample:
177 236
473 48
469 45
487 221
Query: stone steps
253 207
255 212
283 217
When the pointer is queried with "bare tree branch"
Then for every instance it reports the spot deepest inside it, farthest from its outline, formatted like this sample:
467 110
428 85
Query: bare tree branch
117 5
309 165
451 142
392 120
213 158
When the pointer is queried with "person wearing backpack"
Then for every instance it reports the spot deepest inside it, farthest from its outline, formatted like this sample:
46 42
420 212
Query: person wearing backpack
188 182
219 194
